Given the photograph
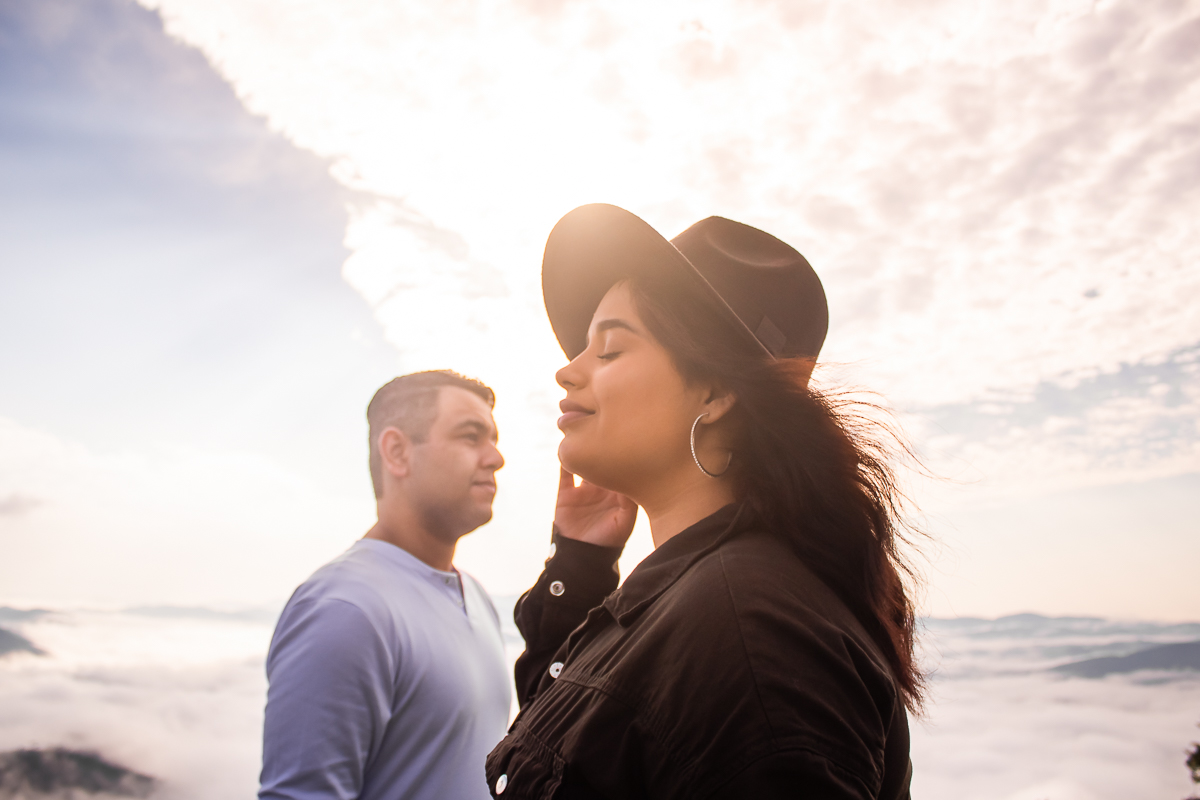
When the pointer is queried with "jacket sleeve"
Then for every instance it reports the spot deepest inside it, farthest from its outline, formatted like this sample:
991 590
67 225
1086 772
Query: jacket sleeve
577 578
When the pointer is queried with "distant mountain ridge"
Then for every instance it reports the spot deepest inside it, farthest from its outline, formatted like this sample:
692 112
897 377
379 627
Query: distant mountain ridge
1170 657
266 616
9 614
1034 625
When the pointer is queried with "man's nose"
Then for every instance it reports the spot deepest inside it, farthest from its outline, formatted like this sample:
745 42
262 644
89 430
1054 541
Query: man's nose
495 460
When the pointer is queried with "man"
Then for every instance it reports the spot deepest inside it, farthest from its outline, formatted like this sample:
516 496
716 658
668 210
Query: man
387 672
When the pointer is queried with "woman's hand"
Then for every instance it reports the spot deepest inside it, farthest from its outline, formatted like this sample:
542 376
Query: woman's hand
591 514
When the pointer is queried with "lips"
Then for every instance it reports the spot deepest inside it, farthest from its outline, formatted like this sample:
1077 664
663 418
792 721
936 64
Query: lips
572 412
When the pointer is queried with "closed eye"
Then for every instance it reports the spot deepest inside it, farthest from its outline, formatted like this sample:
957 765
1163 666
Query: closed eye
609 356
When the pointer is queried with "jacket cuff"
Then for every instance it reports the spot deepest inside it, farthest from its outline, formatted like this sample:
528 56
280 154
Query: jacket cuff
578 574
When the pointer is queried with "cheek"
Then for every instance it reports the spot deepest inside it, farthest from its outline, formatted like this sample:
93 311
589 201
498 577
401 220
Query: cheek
448 471
641 413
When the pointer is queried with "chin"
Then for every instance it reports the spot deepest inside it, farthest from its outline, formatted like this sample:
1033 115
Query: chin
593 470
483 517
569 457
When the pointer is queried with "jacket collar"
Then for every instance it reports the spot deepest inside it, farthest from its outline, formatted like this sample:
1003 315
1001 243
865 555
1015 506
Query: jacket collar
658 571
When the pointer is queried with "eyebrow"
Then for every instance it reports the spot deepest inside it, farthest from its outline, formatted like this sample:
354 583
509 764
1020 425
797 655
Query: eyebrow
478 427
608 325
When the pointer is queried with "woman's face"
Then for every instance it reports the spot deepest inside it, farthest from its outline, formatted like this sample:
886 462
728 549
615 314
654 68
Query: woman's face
628 412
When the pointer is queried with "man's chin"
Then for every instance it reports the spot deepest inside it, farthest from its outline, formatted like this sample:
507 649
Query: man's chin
481 518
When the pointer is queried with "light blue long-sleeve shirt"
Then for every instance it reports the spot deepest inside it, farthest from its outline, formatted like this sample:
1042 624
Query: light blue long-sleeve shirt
387 680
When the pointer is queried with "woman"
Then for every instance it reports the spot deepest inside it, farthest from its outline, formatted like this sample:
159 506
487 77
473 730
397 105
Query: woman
765 648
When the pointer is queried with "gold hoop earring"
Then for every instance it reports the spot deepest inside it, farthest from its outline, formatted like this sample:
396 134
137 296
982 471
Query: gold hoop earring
696 458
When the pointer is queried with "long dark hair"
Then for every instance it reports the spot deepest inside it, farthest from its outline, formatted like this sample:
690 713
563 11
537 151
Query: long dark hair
811 465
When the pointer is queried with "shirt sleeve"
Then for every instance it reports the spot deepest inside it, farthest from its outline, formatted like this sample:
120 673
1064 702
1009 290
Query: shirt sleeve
577 578
329 699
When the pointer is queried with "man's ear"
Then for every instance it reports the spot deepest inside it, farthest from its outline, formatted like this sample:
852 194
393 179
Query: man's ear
395 449
720 402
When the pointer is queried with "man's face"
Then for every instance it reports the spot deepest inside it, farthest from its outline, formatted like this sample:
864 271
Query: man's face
452 476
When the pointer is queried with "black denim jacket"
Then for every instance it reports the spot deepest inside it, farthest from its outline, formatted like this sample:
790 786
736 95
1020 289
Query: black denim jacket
722 668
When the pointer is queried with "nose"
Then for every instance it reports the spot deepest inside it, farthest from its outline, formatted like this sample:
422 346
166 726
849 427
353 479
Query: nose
494 460
571 376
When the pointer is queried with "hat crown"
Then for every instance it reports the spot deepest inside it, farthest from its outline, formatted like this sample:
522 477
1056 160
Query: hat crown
766 282
749 247
763 285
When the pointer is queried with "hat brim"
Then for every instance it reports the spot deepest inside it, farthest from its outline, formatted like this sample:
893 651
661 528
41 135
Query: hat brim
596 246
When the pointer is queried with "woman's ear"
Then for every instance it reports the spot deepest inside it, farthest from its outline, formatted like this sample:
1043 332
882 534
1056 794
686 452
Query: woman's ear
394 450
720 402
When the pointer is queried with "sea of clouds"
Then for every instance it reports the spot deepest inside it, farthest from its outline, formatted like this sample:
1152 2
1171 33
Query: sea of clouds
178 694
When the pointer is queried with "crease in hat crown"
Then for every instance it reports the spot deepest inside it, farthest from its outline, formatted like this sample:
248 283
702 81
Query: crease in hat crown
762 285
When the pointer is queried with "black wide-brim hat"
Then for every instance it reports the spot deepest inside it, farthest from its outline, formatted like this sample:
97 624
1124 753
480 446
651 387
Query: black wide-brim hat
763 286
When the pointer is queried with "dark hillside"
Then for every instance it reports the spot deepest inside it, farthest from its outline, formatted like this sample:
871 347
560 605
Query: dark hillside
16 643
1184 656
58 773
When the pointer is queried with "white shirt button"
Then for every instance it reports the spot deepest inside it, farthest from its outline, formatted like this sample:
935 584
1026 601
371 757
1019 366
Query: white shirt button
553 550
556 669
557 588
501 783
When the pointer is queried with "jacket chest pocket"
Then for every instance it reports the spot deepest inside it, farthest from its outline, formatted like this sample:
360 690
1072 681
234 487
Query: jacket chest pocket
521 766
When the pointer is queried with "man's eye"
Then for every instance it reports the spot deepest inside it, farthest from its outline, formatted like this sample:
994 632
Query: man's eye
609 356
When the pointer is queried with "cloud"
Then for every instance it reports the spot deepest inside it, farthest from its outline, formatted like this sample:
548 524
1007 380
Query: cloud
996 196
992 194
1011 738
147 696
176 696
1001 727
16 504
1089 428
170 263
172 525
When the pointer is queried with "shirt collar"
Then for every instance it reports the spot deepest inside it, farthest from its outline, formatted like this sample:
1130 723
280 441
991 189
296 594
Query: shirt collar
448 583
659 570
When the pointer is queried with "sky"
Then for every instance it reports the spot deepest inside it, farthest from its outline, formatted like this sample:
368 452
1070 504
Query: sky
226 223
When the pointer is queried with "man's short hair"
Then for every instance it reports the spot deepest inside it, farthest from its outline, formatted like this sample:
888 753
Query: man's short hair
410 404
